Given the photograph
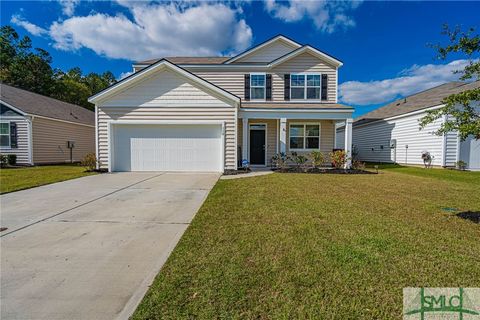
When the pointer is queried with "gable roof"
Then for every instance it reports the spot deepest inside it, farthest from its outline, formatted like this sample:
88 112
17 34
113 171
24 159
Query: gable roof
37 104
227 61
307 48
418 101
277 38
160 65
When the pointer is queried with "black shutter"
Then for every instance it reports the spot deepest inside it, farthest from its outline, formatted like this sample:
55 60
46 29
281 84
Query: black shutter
247 87
13 135
324 86
286 78
268 93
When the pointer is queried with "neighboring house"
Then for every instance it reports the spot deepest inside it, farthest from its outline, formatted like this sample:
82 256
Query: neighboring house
210 113
37 128
392 133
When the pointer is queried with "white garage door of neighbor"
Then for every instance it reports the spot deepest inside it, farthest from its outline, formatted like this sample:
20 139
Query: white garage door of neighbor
153 147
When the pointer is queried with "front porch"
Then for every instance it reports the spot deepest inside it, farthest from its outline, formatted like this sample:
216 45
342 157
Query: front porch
262 134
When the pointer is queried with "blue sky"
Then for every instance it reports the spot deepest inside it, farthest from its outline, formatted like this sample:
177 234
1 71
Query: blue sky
383 44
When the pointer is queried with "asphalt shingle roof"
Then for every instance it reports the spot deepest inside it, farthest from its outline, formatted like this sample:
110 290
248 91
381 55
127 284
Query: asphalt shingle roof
189 60
36 104
422 100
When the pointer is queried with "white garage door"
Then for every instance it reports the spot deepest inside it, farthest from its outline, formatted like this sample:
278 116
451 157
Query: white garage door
153 147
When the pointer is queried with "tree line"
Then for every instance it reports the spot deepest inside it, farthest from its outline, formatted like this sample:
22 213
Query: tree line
30 68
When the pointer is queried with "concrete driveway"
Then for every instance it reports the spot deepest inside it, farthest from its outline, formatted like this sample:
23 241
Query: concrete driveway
89 248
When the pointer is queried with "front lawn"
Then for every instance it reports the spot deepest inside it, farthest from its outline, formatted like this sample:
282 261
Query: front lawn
319 246
28 177
434 173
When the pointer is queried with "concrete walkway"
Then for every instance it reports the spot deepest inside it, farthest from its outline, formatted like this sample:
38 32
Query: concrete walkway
254 173
89 248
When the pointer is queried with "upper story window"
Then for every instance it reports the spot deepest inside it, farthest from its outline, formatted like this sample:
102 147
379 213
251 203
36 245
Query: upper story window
305 86
257 86
4 134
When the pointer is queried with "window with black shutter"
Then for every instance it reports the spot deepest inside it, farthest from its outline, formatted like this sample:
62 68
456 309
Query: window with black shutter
247 87
286 78
268 94
324 87
5 134
13 135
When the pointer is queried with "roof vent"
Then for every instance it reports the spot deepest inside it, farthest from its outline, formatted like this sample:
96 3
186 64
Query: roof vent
405 100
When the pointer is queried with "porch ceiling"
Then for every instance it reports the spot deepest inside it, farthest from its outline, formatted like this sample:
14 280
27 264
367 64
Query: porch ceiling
296 111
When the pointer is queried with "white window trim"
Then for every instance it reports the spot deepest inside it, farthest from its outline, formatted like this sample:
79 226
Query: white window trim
305 124
305 74
9 147
264 74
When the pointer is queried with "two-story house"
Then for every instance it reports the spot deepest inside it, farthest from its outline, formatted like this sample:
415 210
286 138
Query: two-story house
213 113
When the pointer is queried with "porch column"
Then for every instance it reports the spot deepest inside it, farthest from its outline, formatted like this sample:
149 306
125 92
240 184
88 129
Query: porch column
244 138
348 142
283 135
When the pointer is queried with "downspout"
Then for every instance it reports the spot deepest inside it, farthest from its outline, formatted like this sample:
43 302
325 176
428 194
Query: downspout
30 139
97 154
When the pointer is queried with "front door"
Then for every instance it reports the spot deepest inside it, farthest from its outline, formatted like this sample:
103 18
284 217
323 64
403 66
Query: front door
257 144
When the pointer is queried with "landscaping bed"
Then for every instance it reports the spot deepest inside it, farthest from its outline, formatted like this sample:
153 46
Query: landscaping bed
323 170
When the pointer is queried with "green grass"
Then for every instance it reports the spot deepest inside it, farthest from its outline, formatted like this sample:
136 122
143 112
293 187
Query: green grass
434 173
23 178
319 246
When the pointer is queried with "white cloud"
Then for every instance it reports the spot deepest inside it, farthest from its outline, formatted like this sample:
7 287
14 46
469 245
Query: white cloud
30 27
156 30
414 79
327 16
68 6
124 75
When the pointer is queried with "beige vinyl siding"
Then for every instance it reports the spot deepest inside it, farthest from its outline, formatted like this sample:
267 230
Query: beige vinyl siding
327 135
22 140
300 64
226 114
233 81
50 140
164 88
268 53
167 96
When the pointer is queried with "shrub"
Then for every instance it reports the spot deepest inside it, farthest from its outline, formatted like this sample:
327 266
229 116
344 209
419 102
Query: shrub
339 158
3 160
90 162
280 160
461 165
318 158
12 159
358 165
300 160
